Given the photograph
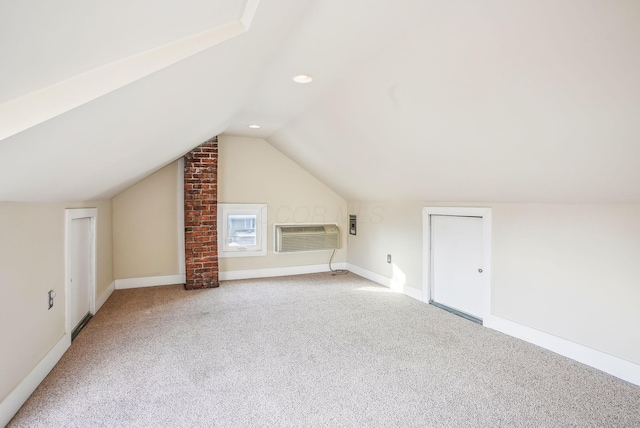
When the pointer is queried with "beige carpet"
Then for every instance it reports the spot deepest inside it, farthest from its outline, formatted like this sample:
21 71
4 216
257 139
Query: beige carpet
311 351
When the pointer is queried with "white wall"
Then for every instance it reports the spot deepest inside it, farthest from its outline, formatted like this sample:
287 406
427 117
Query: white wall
146 233
572 271
32 262
388 228
252 171
569 270
516 101
145 229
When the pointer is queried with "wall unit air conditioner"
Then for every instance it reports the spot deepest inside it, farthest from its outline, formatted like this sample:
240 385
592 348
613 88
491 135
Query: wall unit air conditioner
306 237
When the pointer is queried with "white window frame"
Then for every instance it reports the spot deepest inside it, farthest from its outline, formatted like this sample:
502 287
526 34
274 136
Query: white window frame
260 211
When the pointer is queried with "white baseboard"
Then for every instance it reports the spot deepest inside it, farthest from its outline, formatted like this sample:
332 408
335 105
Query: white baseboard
280 271
12 403
615 366
105 295
300 270
412 292
16 398
149 281
371 276
385 281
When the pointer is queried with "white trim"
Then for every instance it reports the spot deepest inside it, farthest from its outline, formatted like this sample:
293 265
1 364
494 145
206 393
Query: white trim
248 13
149 281
22 113
70 215
258 250
16 398
386 282
412 292
279 271
105 295
371 276
180 199
615 366
485 214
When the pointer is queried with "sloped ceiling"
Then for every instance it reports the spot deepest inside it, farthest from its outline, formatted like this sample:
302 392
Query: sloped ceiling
495 101
92 130
479 101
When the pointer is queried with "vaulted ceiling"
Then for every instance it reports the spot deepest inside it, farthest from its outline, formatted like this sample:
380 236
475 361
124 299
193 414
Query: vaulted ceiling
480 101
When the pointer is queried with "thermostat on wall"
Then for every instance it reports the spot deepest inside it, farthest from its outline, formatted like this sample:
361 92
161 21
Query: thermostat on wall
352 224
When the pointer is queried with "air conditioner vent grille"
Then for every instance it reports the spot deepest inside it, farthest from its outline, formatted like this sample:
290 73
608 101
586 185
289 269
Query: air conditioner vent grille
294 238
302 229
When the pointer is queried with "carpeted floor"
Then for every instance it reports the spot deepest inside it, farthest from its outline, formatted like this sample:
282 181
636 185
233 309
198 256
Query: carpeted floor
311 351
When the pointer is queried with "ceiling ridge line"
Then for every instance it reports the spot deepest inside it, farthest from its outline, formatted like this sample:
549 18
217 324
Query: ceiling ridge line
37 107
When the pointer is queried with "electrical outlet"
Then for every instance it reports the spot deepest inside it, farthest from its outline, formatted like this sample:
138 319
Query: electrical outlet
388 258
52 295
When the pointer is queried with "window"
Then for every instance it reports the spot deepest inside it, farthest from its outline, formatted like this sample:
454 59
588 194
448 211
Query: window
242 230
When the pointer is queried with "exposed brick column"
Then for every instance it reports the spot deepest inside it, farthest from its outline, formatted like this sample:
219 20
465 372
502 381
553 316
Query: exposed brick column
200 215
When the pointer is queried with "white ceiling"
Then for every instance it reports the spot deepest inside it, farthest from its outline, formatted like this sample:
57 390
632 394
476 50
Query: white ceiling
45 42
479 101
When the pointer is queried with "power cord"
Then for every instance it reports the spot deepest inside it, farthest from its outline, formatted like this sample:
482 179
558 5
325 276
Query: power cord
336 271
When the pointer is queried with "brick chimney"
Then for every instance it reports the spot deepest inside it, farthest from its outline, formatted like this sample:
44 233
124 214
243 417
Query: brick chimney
200 216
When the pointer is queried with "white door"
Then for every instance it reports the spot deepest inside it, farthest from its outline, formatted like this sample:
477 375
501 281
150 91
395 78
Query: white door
80 269
456 263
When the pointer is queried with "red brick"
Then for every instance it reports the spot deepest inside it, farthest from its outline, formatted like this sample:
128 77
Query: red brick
201 240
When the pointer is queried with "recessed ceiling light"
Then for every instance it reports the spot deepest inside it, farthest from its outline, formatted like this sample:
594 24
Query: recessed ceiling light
254 126
303 78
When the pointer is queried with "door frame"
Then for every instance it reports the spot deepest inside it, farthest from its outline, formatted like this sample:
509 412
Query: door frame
70 215
427 271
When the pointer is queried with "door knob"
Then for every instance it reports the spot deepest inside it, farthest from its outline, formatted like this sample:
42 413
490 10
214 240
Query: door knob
480 270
